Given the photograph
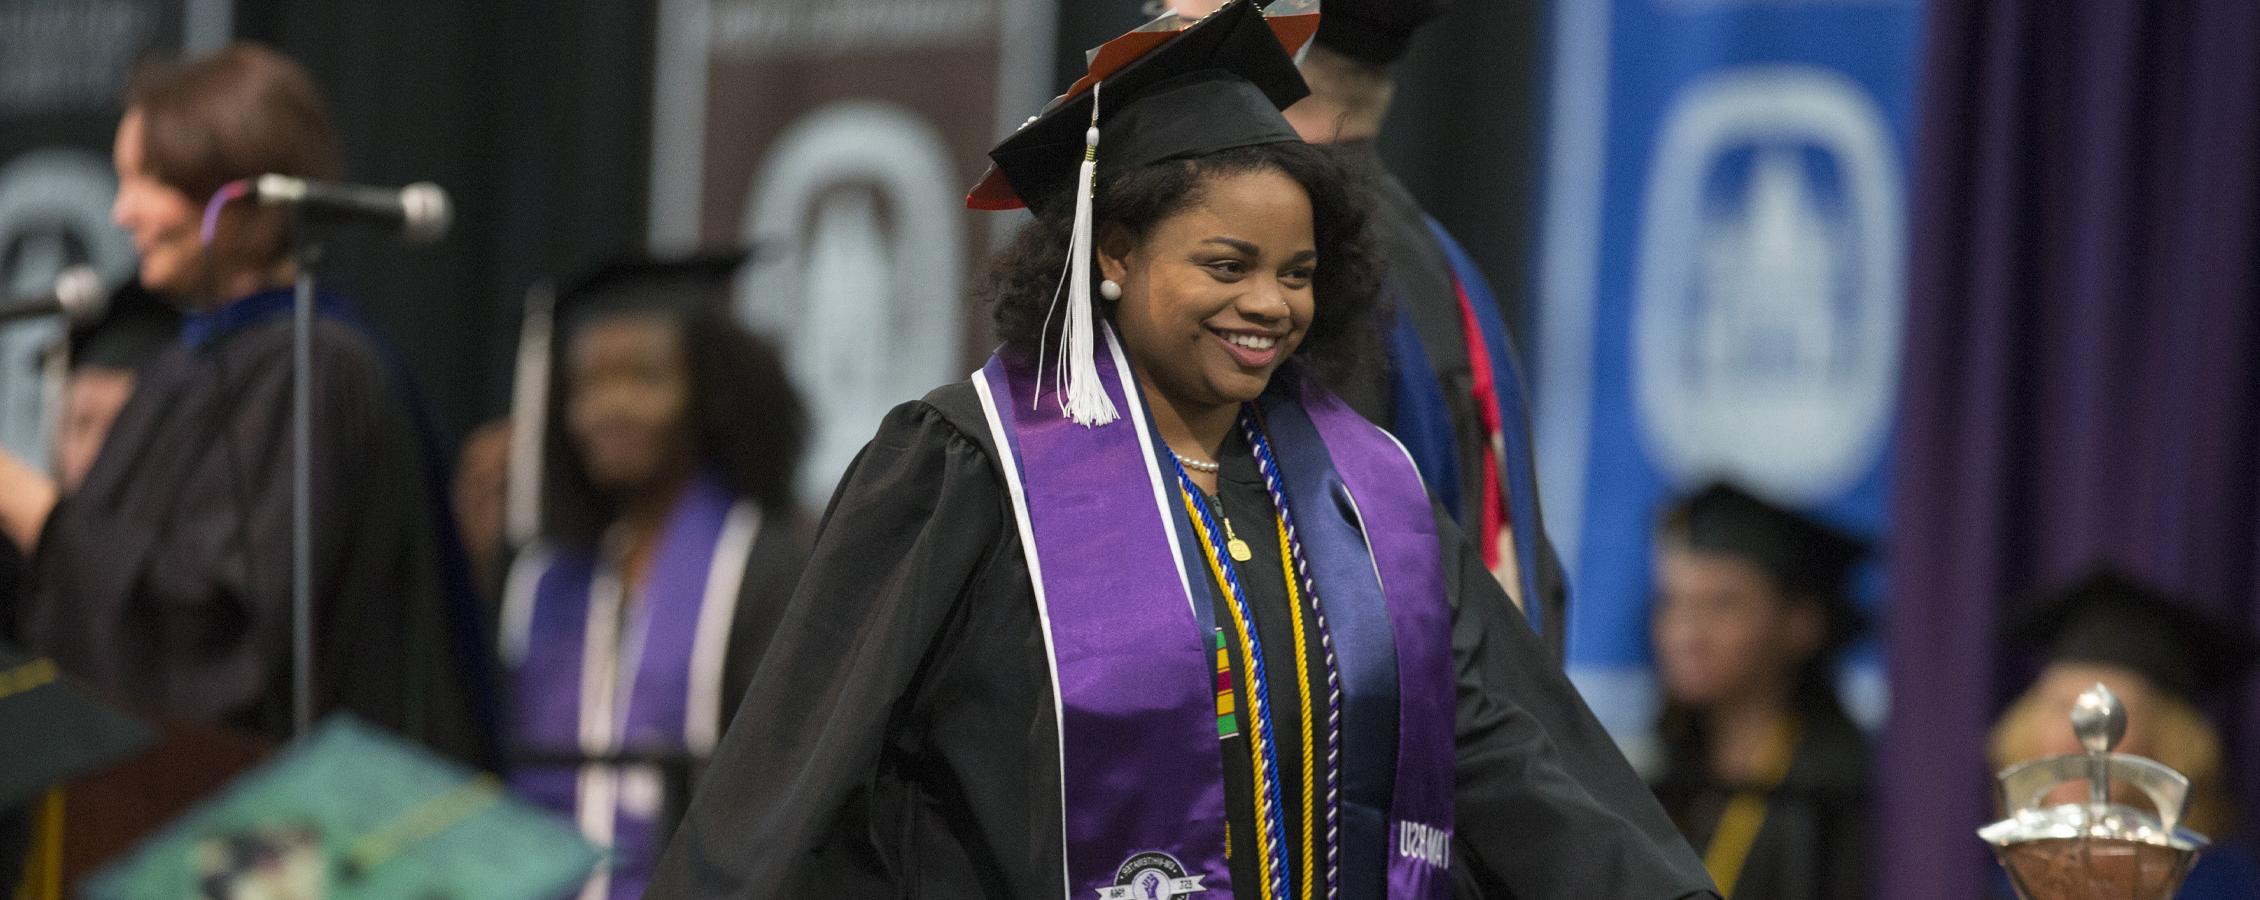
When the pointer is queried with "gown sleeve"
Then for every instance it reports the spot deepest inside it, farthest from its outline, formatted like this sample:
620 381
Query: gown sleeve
1547 807
772 574
787 805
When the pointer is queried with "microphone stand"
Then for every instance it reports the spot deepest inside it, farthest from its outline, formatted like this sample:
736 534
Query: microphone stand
305 251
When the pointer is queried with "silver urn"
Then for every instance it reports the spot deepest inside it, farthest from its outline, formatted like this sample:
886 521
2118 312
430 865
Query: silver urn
2099 849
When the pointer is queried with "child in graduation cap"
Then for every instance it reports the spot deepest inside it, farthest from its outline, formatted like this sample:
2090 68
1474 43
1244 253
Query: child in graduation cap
1142 610
2163 658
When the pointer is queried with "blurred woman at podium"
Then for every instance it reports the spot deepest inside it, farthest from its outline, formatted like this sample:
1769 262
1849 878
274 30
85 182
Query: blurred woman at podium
165 579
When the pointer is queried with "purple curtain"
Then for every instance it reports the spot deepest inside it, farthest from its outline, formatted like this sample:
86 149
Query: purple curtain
2083 367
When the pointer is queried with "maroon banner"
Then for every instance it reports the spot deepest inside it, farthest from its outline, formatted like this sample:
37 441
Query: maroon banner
839 138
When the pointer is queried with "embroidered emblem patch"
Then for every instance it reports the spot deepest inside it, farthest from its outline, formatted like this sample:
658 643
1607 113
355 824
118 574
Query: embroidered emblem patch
1152 876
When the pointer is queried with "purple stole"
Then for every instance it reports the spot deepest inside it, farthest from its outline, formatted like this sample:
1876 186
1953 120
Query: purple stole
1126 610
597 676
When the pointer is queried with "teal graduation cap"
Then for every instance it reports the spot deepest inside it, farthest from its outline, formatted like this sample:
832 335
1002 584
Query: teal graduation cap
353 813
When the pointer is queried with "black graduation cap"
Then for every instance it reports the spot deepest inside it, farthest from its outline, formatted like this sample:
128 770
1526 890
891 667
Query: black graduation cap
52 731
1216 85
1156 94
1802 554
641 282
2109 617
134 328
1374 31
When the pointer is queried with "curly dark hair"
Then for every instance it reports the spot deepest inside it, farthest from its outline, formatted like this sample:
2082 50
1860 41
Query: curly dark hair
1021 279
747 423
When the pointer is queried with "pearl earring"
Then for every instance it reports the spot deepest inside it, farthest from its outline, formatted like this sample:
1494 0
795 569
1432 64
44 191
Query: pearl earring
1110 290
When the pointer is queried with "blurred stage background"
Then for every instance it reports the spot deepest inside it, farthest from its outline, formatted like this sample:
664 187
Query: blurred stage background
1976 278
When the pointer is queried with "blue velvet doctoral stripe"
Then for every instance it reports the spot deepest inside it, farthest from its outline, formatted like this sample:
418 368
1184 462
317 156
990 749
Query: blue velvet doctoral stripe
1520 470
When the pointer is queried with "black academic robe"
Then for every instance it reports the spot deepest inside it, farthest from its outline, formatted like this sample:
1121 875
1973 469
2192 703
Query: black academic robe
13 568
772 573
1814 843
1419 279
899 737
165 580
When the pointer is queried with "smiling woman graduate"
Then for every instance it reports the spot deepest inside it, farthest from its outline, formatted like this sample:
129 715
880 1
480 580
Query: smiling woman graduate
1143 610
630 629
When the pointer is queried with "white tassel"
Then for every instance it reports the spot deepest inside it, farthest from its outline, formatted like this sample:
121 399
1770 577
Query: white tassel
1082 396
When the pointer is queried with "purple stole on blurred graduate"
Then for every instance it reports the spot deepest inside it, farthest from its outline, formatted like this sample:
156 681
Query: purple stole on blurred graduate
597 676
1128 621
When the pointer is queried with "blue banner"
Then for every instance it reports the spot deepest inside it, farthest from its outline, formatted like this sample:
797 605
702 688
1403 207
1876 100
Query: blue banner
1722 286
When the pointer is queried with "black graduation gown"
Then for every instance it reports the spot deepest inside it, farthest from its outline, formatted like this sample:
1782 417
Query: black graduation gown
1814 844
1419 279
899 738
772 572
165 580
13 568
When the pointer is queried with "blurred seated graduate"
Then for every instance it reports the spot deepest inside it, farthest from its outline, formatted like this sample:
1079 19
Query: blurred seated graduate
105 362
2164 658
671 542
1142 609
1764 772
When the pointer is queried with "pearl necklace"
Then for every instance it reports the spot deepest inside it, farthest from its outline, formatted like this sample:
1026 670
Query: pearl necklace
1205 468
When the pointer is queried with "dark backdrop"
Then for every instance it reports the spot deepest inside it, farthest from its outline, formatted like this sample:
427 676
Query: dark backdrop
532 113
535 114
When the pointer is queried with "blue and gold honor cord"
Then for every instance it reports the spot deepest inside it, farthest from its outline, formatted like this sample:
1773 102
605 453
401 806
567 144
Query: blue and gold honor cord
1271 837
1298 576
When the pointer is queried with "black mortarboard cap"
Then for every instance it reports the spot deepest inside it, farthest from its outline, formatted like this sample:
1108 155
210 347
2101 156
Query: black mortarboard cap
1217 85
1374 31
52 731
1802 554
132 330
625 284
2109 617
637 283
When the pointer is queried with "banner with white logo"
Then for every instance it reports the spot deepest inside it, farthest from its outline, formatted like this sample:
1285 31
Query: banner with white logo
64 65
1722 287
838 138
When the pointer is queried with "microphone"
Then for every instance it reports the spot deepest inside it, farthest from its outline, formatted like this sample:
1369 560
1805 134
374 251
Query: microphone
421 210
78 295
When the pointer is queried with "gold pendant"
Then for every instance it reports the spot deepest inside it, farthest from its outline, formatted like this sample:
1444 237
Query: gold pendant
1232 543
